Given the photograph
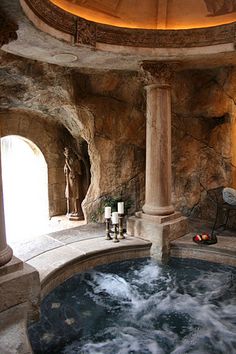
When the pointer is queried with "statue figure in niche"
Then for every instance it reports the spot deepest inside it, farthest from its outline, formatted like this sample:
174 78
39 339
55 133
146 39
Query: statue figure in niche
72 170
220 7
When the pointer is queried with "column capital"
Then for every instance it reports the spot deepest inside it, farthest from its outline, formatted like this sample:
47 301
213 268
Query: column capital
158 72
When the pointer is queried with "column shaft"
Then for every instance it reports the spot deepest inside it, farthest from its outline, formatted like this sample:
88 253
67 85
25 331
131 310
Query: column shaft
158 151
5 251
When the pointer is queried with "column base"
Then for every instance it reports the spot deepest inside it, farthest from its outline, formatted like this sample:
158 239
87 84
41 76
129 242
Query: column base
157 211
160 230
5 255
20 302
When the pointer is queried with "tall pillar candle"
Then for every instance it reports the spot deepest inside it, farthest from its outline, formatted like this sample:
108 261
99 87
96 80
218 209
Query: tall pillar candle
114 217
121 208
107 212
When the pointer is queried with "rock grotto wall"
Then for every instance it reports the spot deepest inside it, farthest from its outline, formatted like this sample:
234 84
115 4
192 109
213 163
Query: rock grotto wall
203 125
35 104
112 111
107 110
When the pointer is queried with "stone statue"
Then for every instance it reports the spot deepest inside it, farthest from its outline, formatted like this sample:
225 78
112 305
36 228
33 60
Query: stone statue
72 170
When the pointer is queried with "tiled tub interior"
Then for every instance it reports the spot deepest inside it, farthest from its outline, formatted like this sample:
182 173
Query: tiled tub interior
141 307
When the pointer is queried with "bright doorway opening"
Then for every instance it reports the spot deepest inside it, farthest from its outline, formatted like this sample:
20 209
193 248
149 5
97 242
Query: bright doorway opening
25 188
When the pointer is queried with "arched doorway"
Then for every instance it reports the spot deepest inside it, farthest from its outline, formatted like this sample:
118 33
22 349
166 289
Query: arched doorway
25 188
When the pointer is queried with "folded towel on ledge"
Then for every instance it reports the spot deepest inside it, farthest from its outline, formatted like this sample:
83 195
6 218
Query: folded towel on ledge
229 195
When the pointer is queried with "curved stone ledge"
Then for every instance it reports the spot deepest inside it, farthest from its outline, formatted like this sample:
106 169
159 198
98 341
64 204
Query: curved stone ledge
223 252
57 265
90 33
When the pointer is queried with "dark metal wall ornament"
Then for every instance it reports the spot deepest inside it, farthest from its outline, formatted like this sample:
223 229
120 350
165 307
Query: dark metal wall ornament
90 33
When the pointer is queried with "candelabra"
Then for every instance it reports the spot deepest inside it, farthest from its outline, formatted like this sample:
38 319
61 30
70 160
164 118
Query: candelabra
120 223
117 221
108 236
115 239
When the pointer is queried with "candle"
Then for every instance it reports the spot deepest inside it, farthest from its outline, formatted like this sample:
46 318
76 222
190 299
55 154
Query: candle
121 208
114 217
107 212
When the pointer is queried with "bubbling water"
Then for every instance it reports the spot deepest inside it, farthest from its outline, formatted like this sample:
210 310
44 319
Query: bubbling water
141 308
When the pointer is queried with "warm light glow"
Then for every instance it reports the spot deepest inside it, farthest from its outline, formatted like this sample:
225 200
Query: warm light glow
25 188
136 18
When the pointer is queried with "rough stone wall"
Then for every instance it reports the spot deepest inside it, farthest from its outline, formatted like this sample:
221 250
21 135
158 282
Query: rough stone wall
111 107
107 111
202 144
35 103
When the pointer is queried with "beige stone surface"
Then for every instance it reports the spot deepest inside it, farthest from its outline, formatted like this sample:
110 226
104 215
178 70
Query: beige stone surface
224 251
13 330
159 234
13 265
81 252
101 244
52 260
20 286
29 248
158 150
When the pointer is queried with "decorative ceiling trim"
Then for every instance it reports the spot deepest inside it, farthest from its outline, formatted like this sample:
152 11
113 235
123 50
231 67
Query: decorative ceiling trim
166 38
89 33
53 15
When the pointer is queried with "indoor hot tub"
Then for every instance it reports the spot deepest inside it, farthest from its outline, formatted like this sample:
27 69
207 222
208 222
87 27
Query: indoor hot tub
141 307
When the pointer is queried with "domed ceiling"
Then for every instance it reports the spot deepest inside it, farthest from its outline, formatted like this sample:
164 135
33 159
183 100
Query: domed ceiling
153 14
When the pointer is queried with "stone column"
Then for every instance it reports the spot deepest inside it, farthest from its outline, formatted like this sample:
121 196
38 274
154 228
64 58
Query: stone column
158 138
158 222
5 251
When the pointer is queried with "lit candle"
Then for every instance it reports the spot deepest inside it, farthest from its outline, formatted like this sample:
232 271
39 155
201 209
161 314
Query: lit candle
107 212
114 217
121 208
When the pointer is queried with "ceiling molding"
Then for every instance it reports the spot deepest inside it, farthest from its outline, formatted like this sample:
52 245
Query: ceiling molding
90 33
53 15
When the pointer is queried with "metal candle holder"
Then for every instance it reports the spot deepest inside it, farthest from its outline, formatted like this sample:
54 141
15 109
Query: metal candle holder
120 223
108 236
115 239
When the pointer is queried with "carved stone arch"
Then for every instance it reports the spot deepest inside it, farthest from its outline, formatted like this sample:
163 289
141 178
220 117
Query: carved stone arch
47 137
